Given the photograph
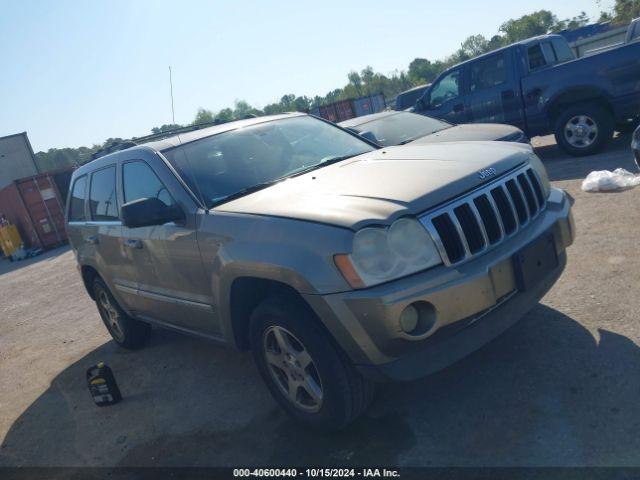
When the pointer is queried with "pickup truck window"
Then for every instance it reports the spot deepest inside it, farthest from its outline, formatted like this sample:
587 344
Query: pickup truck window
633 33
549 52
488 72
536 57
562 51
447 88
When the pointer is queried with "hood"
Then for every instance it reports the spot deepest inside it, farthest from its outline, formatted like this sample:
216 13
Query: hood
469 132
380 186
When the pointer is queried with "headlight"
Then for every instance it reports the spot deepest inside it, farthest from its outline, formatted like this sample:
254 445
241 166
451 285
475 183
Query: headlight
381 254
540 169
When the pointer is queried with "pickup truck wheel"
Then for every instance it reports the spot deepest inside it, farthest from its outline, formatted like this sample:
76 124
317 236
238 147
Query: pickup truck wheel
126 331
583 130
304 370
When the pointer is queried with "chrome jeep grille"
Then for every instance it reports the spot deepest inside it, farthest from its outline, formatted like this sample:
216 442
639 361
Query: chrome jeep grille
471 225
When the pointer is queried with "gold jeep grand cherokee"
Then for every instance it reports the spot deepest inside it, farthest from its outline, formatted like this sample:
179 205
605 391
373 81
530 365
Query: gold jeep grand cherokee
336 262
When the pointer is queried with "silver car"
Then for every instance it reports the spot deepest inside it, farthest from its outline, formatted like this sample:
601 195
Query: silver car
336 262
403 128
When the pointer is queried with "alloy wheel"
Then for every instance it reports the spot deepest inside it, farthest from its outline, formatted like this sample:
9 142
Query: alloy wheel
111 315
581 131
293 369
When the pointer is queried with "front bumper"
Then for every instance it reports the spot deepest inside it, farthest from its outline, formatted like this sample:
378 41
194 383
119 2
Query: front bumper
474 303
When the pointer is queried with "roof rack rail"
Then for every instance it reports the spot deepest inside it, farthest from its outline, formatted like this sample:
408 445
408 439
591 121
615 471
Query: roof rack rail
124 144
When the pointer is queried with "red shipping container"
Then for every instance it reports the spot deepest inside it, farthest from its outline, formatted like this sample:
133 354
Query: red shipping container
36 206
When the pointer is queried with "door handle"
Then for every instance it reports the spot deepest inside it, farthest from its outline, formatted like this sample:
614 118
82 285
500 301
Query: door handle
133 243
92 239
458 108
535 93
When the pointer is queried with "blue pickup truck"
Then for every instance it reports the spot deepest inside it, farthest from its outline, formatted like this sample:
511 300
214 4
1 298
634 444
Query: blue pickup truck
539 86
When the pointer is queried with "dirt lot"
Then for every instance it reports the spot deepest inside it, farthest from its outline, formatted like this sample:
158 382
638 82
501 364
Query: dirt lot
559 388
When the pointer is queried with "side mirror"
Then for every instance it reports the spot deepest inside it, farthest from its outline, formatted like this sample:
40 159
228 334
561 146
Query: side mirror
423 103
149 211
369 136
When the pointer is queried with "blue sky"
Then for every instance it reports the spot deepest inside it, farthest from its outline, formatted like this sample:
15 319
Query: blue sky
77 72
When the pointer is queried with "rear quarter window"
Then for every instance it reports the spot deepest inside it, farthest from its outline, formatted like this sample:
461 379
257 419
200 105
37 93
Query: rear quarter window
76 203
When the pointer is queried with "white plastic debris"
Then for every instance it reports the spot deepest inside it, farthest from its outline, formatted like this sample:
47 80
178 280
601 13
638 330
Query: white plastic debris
606 181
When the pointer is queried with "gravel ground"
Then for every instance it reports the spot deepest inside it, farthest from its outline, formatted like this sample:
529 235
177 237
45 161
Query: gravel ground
560 388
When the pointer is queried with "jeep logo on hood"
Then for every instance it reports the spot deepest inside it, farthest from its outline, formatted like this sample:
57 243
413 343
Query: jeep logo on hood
486 173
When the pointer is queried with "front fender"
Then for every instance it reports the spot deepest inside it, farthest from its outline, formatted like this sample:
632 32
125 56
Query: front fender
296 253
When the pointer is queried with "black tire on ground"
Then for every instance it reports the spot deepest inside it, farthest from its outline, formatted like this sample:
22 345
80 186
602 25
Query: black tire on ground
127 332
597 116
345 393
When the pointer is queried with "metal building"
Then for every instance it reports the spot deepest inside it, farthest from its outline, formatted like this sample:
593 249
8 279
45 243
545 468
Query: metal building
17 159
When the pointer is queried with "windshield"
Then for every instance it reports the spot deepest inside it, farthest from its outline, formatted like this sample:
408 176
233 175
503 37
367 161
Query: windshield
236 162
400 128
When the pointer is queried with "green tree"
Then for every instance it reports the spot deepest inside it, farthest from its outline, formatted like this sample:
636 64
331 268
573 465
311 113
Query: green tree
536 23
302 104
242 109
422 70
572 23
165 128
355 82
475 45
225 115
626 10
203 116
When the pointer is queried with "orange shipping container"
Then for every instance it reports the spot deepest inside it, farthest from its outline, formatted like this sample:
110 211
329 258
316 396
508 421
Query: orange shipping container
35 205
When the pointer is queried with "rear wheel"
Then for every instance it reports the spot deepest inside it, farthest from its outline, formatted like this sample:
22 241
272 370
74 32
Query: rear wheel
307 374
125 331
583 130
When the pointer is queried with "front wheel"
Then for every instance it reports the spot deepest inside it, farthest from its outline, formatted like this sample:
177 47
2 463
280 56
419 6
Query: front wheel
583 130
304 370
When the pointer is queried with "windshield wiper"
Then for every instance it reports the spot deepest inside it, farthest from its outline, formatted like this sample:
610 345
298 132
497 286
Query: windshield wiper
260 186
408 140
245 191
329 161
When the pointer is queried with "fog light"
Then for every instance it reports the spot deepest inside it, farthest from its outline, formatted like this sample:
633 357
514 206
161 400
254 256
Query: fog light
409 319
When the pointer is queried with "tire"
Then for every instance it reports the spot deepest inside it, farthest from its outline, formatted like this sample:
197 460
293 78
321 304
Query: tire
127 332
583 129
343 393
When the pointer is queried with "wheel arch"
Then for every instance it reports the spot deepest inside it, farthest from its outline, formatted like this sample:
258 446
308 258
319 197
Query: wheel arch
575 96
245 294
89 274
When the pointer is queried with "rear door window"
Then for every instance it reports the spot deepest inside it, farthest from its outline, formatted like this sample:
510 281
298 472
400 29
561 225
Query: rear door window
76 205
536 57
488 72
102 195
